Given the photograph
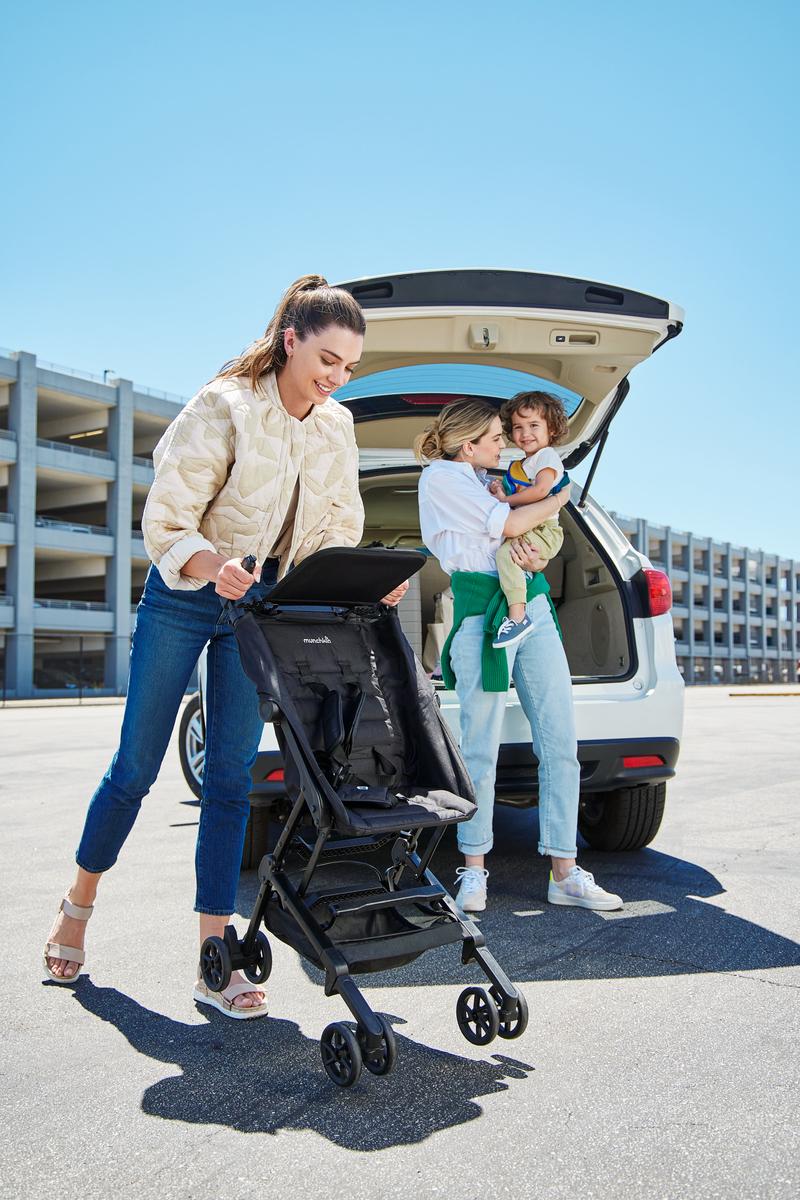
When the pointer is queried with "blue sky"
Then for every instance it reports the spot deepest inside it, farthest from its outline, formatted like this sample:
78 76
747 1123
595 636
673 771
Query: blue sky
169 168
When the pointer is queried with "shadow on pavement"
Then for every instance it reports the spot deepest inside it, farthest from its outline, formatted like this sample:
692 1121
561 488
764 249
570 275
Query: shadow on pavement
665 928
264 1076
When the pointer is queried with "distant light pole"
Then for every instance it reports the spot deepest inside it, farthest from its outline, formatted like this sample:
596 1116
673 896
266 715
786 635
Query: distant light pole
106 373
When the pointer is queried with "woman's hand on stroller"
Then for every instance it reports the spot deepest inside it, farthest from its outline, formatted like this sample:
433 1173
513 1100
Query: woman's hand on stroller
396 596
233 580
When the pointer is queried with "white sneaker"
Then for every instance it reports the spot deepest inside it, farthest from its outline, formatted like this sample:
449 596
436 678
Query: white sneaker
580 889
472 893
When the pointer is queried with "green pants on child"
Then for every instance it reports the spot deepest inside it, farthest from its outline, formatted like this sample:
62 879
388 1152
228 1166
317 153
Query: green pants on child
547 537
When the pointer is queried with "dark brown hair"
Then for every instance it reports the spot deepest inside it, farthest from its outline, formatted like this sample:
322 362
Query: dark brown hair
547 405
308 306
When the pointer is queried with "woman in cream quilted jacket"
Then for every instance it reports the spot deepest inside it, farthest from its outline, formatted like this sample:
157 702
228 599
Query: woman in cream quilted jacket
262 461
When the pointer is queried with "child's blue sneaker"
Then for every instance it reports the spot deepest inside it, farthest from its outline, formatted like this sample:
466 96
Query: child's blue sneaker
510 632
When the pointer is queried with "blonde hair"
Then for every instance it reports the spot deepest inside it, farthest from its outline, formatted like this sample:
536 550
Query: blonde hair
459 422
308 306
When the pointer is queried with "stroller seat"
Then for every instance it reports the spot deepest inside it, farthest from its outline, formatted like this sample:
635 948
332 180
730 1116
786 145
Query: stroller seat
369 766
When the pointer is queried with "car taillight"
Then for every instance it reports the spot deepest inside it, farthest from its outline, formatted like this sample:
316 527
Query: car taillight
659 592
643 760
275 776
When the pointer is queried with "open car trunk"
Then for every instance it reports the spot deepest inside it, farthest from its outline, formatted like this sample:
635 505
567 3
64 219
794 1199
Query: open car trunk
586 590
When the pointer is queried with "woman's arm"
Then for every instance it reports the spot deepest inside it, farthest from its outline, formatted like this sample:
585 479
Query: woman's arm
192 461
522 520
227 573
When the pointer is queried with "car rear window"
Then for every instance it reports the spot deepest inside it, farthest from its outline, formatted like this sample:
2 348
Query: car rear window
451 379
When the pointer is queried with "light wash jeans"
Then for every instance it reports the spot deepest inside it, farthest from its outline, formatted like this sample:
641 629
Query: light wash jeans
172 627
539 668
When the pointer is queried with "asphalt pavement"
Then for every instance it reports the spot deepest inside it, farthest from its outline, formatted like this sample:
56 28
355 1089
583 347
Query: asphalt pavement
661 1059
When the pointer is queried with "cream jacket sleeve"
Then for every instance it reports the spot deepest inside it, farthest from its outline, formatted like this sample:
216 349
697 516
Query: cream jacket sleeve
192 462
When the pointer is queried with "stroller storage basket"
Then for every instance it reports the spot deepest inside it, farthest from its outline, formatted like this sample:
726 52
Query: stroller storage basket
370 761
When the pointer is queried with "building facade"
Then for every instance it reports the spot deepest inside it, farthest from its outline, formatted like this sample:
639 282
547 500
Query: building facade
736 611
75 468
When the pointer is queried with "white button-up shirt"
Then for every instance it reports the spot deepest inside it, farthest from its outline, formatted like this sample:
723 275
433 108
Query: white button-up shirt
460 520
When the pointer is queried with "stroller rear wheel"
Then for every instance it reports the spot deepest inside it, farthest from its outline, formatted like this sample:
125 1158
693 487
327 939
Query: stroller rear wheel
215 964
515 1028
341 1056
477 1016
261 967
383 1060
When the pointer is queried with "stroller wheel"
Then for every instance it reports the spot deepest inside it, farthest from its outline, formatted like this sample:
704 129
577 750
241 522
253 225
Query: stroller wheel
215 964
259 971
515 1028
341 1056
383 1060
477 1016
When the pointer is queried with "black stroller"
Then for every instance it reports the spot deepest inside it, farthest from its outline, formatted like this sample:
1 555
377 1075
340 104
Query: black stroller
369 764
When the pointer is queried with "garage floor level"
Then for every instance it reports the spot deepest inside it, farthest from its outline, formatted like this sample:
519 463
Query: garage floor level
661 1059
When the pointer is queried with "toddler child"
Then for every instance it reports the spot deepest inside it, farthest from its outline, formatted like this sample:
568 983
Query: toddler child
535 422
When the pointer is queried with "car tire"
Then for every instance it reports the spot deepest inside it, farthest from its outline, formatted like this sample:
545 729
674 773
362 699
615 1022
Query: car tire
256 838
626 819
192 744
192 751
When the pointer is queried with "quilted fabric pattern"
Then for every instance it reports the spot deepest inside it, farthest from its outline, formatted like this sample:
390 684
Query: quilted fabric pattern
225 471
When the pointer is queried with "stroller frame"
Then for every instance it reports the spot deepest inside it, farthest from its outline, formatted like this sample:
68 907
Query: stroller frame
304 914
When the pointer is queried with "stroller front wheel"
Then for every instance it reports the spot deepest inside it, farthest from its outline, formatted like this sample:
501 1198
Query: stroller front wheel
341 1055
515 1028
477 1016
384 1060
215 964
259 971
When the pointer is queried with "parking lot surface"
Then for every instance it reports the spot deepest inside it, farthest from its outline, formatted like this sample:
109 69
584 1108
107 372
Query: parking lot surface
661 1059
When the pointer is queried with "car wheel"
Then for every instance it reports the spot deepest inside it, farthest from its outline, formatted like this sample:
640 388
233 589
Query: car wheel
192 744
626 819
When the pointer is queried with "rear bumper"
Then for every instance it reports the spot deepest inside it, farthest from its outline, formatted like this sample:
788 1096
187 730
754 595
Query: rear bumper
602 769
602 766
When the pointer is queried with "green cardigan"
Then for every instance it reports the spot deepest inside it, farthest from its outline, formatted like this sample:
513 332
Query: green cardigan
473 594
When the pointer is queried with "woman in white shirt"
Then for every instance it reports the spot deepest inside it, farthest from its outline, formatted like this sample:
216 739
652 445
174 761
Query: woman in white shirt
464 526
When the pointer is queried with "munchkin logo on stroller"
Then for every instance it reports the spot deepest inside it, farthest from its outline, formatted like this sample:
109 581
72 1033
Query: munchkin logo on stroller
373 773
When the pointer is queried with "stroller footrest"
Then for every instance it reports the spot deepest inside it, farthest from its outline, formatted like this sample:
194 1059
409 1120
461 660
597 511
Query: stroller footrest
388 900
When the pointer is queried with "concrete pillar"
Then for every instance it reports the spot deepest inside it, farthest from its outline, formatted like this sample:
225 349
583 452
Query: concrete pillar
690 604
119 516
746 598
22 503
642 540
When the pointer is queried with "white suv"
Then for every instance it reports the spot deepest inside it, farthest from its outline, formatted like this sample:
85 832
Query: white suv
433 336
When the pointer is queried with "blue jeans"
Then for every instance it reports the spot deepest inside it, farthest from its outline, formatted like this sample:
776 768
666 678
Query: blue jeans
539 669
172 627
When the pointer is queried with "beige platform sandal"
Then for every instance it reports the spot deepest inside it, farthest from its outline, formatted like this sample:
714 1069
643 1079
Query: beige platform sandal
223 1001
69 953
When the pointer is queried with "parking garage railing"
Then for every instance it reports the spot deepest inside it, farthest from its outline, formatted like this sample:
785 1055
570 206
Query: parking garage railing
74 449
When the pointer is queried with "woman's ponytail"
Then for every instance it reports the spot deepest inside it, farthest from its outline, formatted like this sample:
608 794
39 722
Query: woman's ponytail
309 305
428 444
459 421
